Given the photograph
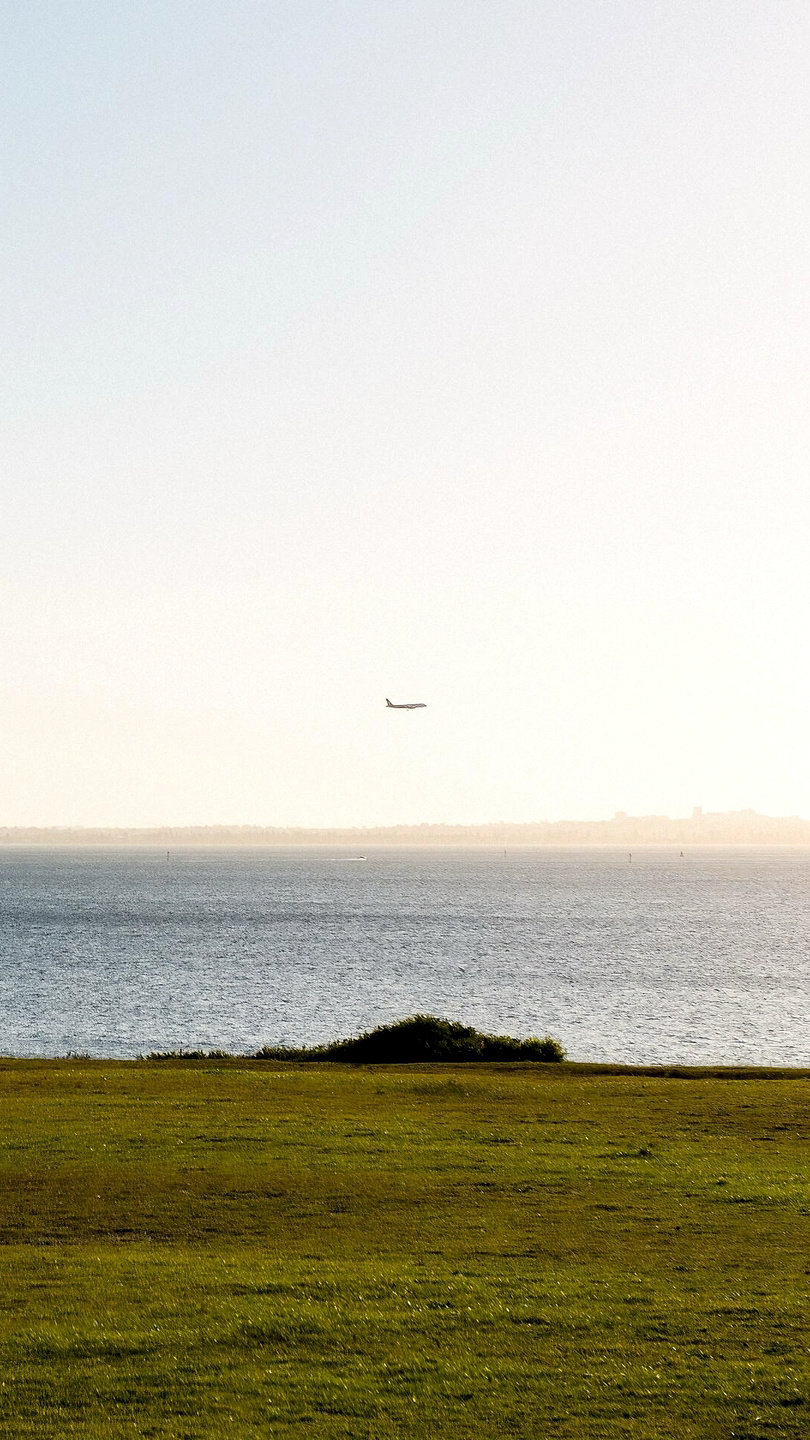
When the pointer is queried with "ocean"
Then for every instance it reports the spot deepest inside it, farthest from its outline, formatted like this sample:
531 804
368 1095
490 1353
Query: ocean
700 959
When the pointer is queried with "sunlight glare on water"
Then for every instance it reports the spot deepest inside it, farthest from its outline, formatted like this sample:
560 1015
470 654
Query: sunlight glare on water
704 959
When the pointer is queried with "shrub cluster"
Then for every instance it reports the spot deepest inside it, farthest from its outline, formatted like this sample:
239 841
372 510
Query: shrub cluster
422 1038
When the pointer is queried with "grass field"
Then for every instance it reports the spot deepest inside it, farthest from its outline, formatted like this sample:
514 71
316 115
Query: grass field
195 1249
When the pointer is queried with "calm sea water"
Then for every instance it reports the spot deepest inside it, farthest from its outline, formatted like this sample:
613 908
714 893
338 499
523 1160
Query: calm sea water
116 953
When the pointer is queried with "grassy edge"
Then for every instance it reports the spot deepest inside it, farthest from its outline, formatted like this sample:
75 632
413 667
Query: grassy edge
560 1069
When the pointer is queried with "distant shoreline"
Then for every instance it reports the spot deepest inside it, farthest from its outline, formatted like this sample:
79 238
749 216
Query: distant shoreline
742 828
638 845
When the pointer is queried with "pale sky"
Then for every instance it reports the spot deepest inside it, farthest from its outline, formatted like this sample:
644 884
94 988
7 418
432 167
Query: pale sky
445 350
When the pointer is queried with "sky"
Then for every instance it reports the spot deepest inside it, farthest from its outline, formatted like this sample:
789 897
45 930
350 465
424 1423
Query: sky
443 350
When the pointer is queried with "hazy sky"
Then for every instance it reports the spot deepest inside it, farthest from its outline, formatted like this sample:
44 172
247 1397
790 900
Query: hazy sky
445 350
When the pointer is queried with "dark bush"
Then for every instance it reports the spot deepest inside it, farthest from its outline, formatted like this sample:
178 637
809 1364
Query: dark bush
423 1038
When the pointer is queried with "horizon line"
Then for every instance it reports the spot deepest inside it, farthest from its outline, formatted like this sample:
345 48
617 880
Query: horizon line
620 819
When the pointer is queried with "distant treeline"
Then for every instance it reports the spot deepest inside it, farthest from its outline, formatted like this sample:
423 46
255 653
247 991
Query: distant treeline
736 827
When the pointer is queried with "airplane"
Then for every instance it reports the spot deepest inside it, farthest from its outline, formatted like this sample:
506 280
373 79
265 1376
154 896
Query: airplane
413 705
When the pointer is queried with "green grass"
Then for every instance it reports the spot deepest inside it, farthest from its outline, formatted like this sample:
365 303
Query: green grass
200 1249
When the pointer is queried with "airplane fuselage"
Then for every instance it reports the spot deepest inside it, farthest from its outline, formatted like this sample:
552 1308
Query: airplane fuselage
411 705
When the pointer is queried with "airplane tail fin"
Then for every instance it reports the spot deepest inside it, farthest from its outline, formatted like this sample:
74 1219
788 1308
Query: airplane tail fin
388 703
